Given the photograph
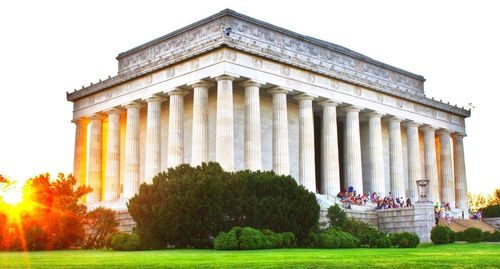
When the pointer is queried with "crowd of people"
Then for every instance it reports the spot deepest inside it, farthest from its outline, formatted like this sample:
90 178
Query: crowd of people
349 197
442 211
475 215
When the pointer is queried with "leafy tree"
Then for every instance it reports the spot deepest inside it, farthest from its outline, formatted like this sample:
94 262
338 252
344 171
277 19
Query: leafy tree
494 199
188 206
100 223
336 216
476 201
55 217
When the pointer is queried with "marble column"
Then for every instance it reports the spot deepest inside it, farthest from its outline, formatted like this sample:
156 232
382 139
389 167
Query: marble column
352 152
431 171
281 161
376 153
80 154
414 169
131 178
199 148
152 163
253 146
460 177
224 129
95 159
396 158
330 178
307 164
447 189
176 128
112 182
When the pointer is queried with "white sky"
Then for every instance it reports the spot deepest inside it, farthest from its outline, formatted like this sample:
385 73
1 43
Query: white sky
50 47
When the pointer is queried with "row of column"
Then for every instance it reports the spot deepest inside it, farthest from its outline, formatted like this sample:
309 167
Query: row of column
224 148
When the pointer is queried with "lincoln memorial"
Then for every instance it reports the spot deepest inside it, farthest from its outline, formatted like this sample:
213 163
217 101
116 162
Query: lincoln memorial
251 95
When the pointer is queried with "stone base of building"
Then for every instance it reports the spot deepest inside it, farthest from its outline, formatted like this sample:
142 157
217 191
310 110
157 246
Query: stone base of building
495 222
126 223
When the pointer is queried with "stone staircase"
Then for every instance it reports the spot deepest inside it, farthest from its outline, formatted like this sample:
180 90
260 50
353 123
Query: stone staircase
458 225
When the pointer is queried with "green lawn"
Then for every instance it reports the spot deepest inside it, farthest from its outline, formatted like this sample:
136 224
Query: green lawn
482 255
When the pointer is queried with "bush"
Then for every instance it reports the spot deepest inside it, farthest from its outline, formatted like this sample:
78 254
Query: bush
188 206
442 235
368 236
100 223
473 235
491 237
336 216
125 242
459 236
250 238
491 211
333 238
404 240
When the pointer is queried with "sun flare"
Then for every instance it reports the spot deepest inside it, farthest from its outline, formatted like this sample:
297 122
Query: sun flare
13 196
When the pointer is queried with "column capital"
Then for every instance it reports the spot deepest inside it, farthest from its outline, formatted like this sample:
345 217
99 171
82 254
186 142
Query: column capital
329 102
458 135
305 96
411 123
251 83
81 121
352 108
201 83
375 114
394 119
278 89
97 116
155 99
225 76
443 132
133 104
428 128
114 110
177 91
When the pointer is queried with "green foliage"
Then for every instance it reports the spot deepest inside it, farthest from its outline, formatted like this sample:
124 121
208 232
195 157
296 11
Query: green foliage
100 223
491 211
368 236
491 237
334 238
404 240
473 235
336 216
442 234
125 242
188 206
250 238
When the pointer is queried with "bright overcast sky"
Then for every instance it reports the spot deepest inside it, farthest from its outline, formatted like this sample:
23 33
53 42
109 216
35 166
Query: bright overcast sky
50 47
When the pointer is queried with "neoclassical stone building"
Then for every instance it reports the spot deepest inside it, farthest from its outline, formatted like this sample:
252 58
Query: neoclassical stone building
250 95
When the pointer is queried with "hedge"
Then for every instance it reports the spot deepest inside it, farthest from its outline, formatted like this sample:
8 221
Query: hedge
492 211
333 238
442 235
250 238
405 240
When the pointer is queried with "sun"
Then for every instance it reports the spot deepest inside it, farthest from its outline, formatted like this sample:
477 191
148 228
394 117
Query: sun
12 196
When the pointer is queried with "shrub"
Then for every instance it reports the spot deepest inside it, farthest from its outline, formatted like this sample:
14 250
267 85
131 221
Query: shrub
100 223
491 237
442 235
459 236
226 241
333 238
491 211
368 236
473 235
336 216
125 242
188 206
404 240
250 238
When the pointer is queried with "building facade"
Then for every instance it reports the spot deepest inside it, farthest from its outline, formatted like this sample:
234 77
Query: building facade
250 95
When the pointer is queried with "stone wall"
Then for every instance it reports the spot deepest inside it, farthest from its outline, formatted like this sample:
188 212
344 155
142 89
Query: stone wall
126 223
495 222
368 216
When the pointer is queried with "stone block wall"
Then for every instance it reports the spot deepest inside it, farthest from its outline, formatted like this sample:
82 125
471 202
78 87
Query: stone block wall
368 216
126 223
495 222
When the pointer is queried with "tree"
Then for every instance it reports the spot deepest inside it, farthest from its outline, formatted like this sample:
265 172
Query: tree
476 201
336 216
494 199
100 223
188 206
54 218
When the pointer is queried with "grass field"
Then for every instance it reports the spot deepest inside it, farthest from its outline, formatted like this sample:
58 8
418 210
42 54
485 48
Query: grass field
481 255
